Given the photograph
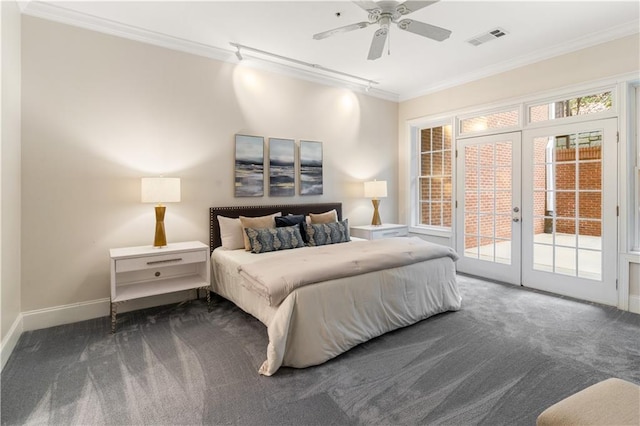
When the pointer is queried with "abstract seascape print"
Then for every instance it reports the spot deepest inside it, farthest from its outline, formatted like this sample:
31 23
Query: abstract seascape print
281 168
249 167
310 168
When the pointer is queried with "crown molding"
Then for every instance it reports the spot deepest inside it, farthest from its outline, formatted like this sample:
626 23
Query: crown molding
63 15
66 16
611 34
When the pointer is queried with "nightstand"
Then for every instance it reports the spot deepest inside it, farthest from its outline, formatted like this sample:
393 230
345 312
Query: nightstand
145 271
375 232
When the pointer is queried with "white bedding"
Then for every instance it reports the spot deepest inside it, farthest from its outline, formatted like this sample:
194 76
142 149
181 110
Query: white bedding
317 322
311 265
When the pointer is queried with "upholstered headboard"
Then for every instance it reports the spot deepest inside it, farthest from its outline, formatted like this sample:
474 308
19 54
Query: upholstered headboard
237 211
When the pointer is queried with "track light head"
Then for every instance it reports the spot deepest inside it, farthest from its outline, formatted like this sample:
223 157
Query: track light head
238 54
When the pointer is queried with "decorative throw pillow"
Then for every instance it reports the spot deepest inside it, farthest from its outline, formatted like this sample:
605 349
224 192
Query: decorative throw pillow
256 223
273 239
231 233
291 220
326 217
321 234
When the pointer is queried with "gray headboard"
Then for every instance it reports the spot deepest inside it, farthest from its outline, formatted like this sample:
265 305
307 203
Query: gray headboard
237 211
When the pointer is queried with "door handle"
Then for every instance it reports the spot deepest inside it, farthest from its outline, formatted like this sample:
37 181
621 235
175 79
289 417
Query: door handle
515 219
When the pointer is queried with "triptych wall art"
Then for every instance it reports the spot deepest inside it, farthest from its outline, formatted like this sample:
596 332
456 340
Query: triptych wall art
250 167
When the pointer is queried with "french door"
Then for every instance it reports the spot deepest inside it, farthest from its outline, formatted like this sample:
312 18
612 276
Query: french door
570 227
488 211
539 208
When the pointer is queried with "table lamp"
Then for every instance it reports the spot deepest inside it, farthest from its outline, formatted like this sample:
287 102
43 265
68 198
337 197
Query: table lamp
160 190
374 190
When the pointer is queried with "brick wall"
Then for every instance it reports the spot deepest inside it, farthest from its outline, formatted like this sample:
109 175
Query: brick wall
540 225
480 175
589 178
436 185
497 120
487 191
488 186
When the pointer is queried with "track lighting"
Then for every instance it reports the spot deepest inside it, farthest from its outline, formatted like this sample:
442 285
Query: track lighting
345 77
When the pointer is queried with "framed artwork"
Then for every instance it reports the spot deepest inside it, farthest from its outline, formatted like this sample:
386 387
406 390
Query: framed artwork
249 171
282 168
310 168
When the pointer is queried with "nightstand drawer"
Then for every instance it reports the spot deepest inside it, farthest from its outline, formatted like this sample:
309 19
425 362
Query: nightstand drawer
377 232
159 261
389 233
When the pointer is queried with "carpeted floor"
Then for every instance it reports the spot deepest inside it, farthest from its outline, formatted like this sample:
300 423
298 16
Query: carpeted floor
501 360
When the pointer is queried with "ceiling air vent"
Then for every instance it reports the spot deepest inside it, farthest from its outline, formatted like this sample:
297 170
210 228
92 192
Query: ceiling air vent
486 37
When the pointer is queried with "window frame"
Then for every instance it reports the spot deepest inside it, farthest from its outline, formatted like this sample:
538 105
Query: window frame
415 157
560 97
634 182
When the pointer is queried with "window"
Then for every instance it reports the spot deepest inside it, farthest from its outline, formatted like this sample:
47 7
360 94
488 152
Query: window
580 105
488 122
435 177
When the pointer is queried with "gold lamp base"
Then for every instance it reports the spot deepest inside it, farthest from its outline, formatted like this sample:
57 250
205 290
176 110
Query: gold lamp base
160 239
376 215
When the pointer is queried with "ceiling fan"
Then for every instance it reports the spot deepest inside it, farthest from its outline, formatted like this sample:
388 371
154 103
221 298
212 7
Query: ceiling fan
384 13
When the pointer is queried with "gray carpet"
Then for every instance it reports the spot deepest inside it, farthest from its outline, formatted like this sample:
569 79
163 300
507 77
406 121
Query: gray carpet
501 360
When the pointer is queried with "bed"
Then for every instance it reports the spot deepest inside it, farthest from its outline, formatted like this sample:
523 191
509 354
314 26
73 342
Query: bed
317 321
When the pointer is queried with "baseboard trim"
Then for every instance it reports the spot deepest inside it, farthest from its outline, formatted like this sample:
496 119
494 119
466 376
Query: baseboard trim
64 314
634 304
10 341
82 311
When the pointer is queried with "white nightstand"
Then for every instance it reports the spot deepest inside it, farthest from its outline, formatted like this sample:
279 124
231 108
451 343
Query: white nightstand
147 271
375 232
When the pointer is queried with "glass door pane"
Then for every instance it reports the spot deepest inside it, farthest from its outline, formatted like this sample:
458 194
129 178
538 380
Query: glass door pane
569 210
567 204
487 206
489 190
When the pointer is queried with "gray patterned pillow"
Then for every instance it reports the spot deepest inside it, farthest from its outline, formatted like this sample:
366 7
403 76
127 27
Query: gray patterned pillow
272 239
320 234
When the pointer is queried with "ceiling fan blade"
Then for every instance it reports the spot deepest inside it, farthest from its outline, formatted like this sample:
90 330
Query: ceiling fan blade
377 44
411 6
344 29
367 5
425 30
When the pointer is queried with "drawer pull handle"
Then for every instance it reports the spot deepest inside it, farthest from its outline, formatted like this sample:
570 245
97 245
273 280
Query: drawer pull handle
155 262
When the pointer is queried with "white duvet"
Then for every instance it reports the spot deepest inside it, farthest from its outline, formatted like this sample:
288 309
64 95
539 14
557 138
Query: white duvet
310 265
317 322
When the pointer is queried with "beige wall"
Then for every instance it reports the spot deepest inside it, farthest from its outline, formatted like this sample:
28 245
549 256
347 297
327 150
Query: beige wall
10 168
99 112
593 63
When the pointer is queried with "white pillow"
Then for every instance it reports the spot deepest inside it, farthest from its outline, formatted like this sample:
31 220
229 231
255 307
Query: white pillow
231 233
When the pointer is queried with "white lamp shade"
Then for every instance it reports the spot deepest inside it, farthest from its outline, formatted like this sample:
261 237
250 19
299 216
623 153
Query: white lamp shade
160 190
375 189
